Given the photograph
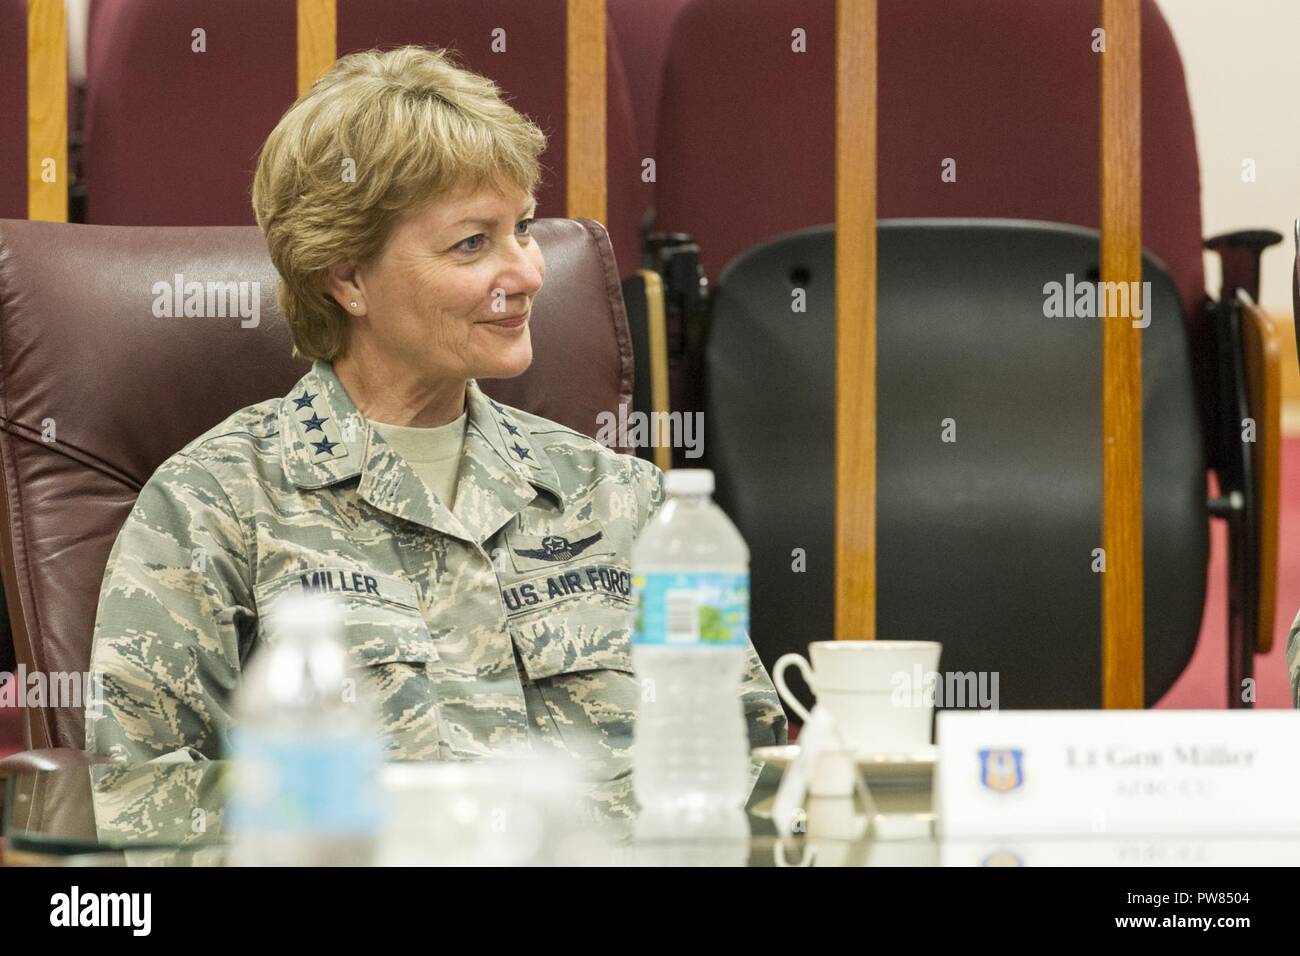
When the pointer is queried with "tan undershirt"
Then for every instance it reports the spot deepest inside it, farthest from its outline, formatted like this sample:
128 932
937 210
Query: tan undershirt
433 453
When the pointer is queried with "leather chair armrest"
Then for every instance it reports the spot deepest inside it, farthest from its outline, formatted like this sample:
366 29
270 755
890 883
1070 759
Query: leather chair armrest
53 758
1240 252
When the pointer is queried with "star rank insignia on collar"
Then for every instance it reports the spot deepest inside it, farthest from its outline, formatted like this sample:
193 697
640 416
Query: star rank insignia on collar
519 450
304 401
314 423
324 446
512 429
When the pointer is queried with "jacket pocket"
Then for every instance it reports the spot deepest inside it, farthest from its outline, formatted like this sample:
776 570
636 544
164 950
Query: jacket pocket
580 663
393 658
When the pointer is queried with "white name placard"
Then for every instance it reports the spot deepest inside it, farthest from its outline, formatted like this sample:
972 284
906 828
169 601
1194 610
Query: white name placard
1005 773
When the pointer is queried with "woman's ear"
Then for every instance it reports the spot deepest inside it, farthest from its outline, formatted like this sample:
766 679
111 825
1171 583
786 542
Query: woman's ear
343 285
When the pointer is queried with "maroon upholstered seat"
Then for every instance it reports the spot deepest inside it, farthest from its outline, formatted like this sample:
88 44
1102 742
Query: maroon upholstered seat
172 134
1010 90
13 109
183 152
643 29
531 72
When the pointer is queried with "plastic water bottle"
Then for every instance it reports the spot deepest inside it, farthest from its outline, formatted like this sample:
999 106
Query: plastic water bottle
305 787
690 570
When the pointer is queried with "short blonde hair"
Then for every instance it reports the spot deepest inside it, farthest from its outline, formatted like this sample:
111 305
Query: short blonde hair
379 135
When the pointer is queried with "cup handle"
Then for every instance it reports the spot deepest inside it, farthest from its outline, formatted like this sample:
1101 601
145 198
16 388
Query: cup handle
778 678
807 854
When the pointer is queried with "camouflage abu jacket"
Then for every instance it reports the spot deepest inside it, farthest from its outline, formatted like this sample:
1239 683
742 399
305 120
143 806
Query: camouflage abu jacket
501 625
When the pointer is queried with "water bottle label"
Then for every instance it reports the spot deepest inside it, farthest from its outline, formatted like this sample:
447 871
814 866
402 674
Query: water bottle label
702 609
303 786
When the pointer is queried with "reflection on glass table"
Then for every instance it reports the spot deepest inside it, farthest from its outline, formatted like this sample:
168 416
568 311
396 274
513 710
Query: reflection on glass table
492 813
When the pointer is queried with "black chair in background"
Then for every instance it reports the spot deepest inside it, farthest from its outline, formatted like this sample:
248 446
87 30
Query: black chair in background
989 455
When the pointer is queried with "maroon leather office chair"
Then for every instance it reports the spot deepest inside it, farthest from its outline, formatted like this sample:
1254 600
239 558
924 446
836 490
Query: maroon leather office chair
95 392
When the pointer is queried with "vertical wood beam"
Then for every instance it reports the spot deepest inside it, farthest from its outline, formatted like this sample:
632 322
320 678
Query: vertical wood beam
317 40
585 127
1122 635
47 111
855 320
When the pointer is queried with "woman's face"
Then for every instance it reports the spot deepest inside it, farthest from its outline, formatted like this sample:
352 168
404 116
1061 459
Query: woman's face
450 296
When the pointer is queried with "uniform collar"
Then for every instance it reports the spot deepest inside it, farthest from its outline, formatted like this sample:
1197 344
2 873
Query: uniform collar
326 440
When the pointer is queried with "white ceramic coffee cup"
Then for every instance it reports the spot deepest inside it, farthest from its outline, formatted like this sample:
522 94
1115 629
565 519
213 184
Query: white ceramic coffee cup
879 692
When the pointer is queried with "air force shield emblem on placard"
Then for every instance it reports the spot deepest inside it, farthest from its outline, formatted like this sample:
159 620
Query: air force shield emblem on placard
1001 770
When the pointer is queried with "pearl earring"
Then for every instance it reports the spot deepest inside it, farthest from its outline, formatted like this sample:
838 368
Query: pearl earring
354 305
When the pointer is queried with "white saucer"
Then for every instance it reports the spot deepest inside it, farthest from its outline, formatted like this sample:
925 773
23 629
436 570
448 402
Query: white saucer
918 763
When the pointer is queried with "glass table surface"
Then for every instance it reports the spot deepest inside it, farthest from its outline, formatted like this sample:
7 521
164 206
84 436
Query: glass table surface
175 814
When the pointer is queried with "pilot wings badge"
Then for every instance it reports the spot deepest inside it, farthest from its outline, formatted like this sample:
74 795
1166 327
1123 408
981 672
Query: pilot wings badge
557 548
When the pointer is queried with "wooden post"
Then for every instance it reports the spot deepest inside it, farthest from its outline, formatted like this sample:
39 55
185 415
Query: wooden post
47 111
1122 634
586 110
855 320
317 40
657 326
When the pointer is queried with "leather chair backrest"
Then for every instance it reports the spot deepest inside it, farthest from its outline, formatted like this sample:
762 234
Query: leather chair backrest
95 392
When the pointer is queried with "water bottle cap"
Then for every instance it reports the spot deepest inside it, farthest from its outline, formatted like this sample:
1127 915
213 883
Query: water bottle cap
305 664
310 613
689 481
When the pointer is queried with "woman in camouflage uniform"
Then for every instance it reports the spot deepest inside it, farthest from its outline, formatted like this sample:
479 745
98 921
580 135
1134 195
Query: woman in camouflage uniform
480 553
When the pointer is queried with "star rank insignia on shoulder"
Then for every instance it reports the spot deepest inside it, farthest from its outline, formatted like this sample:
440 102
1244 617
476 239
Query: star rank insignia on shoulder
319 447
314 423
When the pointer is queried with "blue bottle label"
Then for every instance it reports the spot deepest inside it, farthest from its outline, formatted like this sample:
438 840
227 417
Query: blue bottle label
304 786
694 608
